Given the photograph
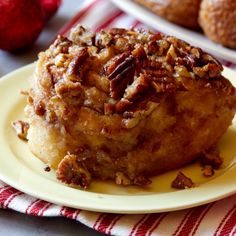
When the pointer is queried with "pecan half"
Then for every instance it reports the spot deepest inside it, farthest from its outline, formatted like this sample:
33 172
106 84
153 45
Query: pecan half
114 62
73 172
121 75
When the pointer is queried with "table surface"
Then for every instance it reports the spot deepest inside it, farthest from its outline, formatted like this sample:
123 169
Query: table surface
14 223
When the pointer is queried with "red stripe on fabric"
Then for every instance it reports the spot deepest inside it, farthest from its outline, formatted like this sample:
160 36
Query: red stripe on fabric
76 214
224 220
109 20
11 199
182 222
68 212
77 17
44 209
202 216
6 196
192 220
4 187
157 223
30 205
234 232
137 224
61 211
106 222
227 63
135 23
37 207
147 224
113 224
229 224
100 217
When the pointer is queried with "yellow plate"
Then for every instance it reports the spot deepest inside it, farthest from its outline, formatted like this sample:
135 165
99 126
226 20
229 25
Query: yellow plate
20 169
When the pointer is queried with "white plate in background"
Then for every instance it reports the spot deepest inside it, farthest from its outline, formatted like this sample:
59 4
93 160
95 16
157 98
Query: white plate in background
195 38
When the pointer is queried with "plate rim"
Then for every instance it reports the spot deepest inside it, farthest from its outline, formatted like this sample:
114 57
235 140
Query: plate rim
167 27
131 204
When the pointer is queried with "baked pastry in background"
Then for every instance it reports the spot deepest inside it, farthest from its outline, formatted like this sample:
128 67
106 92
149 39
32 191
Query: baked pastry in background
218 21
181 12
125 105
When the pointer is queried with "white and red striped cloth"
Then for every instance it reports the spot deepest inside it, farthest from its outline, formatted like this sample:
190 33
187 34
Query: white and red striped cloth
217 218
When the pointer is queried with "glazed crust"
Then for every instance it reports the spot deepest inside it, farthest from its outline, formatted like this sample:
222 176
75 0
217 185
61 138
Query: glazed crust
218 19
125 105
181 12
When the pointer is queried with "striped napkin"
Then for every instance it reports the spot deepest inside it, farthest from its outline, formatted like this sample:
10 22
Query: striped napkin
217 218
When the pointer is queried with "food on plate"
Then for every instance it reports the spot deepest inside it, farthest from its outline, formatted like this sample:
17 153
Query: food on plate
183 12
216 18
21 128
218 21
182 181
125 105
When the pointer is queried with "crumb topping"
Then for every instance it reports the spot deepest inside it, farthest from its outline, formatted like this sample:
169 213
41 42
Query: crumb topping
125 68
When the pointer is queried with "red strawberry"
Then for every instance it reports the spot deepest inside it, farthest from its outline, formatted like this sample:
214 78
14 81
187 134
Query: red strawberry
21 23
50 7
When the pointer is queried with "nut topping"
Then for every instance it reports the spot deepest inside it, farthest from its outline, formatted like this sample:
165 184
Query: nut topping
76 64
182 182
121 76
21 128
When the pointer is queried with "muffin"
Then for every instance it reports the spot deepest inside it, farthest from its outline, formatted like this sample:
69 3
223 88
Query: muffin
125 105
184 13
218 21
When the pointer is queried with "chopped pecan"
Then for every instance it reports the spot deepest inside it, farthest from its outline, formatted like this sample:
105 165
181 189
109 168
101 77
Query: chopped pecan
122 179
152 47
62 44
82 36
142 181
69 92
73 172
139 85
171 55
139 53
165 84
156 36
122 105
76 64
117 31
39 108
47 169
103 39
149 65
131 119
182 182
208 171
109 108
211 157
21 128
